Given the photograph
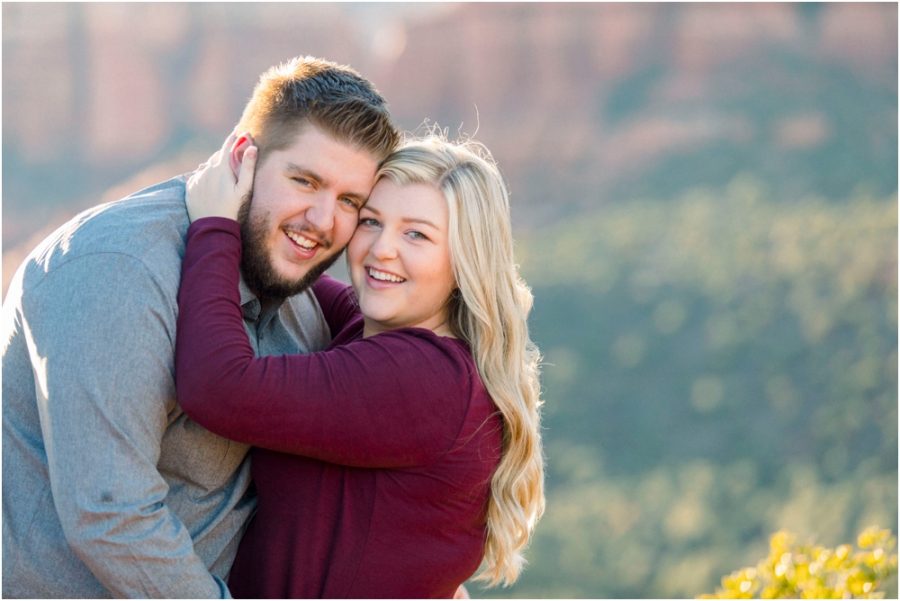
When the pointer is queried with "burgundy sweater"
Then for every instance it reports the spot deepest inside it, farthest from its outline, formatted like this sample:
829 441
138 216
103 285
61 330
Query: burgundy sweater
372 459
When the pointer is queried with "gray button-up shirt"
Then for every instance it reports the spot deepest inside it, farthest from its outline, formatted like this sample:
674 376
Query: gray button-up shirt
108 488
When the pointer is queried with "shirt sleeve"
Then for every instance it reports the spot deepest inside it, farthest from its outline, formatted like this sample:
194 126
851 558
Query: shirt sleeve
101 353
393 400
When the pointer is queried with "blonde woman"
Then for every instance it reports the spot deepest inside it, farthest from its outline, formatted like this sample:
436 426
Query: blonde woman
407 454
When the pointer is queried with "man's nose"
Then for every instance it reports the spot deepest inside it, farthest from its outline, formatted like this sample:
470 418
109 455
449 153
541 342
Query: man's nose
321 214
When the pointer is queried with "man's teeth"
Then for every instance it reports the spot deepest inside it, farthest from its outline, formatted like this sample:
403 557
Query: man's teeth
384 277
301 240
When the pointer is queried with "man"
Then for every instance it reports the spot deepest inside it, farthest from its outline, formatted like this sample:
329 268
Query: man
108 488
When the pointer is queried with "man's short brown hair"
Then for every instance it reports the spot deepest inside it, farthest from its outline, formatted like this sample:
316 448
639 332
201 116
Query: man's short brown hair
333 97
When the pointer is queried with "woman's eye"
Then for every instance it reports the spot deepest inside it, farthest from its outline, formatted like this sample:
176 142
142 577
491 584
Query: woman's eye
417 235
368 221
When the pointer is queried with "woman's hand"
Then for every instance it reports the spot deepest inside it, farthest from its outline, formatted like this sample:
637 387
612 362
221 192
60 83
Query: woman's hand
212 190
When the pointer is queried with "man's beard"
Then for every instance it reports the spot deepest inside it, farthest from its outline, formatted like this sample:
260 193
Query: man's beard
256 266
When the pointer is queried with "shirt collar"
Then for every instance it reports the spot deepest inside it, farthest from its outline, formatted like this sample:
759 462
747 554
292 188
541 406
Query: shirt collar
254 310
250 305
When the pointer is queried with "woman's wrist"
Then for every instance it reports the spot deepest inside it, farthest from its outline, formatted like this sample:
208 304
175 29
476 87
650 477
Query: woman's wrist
214 223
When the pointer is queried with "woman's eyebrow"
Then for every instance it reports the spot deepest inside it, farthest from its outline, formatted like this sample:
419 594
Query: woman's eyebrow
420 220
405 219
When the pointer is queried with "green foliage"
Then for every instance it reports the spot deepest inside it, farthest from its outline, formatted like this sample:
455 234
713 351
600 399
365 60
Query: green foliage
718 367
672 531
723 324
804 571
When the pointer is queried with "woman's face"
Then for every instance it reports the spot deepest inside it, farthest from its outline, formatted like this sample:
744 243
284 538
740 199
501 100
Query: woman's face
399 259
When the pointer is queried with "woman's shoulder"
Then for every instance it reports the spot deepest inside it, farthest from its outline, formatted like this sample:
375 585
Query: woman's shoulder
327 288
481 426
339 307
438 365
457 351
445 360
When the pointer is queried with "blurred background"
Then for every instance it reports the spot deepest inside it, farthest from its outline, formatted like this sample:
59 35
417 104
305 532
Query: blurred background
705 204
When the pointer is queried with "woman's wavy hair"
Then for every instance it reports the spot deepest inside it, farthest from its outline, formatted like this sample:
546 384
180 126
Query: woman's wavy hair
490 312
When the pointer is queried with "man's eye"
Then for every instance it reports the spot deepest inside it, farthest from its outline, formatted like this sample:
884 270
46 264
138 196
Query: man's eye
302 181
350 202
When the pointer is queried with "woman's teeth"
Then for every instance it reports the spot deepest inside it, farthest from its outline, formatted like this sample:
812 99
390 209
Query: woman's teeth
384 277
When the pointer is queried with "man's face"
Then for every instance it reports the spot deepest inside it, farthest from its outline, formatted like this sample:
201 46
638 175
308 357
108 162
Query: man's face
303 210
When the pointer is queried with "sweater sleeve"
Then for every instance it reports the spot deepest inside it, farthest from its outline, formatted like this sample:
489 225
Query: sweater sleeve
396 399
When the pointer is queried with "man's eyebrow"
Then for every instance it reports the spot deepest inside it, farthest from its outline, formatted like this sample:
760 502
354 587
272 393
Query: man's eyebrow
306 172
360 198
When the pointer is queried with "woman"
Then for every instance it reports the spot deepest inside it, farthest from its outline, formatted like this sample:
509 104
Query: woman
408 453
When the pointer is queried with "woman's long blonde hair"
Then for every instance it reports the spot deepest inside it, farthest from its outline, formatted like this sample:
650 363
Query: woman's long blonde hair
490 312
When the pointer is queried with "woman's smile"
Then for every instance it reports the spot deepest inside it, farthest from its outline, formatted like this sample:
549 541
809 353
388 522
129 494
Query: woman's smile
399 258
377 277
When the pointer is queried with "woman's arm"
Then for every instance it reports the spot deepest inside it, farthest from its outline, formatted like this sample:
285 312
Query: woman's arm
392 400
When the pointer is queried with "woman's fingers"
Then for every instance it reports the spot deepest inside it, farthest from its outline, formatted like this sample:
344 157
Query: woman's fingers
226 146
213 190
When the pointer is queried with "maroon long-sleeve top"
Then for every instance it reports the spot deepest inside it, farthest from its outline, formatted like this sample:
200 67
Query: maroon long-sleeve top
372 459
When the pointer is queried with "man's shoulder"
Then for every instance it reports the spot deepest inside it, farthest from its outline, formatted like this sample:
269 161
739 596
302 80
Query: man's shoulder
134 224
148 226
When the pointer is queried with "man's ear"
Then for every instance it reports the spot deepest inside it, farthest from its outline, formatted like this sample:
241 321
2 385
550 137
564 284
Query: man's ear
236 154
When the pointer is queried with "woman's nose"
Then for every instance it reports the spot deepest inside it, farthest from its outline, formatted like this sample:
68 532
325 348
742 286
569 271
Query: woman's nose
384 246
